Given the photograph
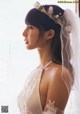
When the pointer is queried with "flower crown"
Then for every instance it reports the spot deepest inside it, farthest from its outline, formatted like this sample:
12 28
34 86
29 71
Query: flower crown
49 12
57 18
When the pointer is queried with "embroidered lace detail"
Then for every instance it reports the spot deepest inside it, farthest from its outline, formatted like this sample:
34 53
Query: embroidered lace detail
50 107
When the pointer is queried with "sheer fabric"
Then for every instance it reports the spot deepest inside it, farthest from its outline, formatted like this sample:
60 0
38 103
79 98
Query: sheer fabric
29 99
71 35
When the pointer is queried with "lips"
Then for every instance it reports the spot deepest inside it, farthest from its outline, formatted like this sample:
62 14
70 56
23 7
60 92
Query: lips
27 42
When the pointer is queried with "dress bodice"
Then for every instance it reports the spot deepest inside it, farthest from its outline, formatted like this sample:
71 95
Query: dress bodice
29 98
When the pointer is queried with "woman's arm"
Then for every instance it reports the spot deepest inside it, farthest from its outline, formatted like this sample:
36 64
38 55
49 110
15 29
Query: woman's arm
57 95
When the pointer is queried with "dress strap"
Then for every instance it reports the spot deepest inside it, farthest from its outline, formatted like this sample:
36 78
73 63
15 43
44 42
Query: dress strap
47 64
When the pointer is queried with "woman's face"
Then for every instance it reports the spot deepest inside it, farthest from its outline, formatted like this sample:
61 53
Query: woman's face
31 35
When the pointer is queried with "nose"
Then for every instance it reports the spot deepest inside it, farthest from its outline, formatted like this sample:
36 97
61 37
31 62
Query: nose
25 33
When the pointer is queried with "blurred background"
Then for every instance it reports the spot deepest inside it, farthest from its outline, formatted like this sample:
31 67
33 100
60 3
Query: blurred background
16 62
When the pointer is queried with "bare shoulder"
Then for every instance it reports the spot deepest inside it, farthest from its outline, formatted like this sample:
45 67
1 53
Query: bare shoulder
60 72
61 77
57 89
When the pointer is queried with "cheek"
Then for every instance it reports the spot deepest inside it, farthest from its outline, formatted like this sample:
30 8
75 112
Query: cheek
33 40
34 36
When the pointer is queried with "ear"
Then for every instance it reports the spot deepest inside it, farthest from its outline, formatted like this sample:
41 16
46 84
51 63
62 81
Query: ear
50 34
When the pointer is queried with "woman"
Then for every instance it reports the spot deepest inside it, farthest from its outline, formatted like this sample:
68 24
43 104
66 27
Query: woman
48 87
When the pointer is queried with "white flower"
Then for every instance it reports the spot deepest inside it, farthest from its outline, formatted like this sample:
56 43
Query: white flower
59 13
57 16
37 5
50 10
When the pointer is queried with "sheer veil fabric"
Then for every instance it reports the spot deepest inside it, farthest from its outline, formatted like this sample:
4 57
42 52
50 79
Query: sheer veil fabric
71 32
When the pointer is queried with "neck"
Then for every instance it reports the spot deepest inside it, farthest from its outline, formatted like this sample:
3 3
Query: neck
45 56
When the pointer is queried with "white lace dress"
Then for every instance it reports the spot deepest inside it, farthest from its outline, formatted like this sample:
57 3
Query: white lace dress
29 99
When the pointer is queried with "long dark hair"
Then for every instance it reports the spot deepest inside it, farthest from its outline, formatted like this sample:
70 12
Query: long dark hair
44 23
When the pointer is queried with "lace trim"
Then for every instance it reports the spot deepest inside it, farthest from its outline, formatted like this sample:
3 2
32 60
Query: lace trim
51 108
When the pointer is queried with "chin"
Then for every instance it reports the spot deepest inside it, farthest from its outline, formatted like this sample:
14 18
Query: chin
30 47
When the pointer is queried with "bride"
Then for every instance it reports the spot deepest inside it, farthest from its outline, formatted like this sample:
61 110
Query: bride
48 87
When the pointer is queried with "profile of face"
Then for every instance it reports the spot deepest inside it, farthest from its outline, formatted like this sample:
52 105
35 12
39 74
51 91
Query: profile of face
31 36
37 22
33 39
43 32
